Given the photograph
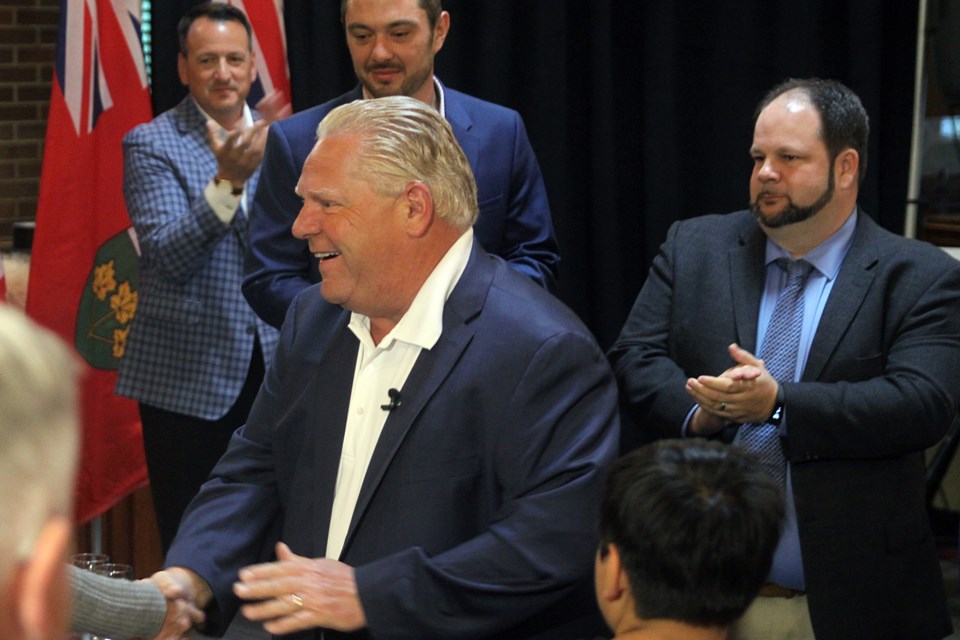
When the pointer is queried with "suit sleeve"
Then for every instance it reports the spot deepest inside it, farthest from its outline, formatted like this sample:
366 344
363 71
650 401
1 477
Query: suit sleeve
895 386
177 234
550 461
235 520
652 383
529 243
277 264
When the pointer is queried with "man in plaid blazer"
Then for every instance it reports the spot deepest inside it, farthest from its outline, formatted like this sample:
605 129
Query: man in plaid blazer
195 354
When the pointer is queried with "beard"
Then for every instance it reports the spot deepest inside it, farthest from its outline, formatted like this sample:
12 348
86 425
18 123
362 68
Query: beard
407 88
791 212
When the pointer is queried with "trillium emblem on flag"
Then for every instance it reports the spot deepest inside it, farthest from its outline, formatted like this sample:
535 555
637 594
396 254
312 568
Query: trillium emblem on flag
109 302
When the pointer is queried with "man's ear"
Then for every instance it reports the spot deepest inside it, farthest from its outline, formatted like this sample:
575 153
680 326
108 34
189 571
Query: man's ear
611 578
440 31
848 168
42 587
419 212
182 69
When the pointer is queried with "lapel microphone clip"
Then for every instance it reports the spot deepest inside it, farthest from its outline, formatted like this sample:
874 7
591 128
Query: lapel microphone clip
394 400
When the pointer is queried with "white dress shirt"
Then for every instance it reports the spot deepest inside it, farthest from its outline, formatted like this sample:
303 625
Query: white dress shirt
382 367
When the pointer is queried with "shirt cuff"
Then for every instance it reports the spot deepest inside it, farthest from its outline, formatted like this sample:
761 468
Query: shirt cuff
686 422
222 202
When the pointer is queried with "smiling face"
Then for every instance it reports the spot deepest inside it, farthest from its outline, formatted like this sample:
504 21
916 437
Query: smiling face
218 68
792 178
355 232
393 46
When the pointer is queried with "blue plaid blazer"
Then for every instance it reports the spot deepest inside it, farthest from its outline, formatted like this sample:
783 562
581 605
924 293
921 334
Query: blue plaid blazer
192 337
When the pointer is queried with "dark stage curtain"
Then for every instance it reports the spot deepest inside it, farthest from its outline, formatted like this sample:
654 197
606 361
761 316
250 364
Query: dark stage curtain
640 112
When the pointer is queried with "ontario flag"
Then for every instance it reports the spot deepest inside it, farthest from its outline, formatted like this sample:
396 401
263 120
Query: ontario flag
83 273
269 48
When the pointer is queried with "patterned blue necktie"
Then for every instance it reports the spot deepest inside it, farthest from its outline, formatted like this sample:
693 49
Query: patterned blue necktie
779 353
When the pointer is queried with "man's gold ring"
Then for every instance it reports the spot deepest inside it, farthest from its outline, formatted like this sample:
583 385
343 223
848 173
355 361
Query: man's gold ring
723 406
297 600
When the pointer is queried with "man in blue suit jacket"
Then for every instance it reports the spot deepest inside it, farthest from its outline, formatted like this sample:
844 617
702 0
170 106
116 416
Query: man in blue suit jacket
876 379
432 454
393 47
194 356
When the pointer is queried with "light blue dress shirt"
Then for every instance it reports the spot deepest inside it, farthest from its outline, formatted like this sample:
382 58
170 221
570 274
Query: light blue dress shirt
826 258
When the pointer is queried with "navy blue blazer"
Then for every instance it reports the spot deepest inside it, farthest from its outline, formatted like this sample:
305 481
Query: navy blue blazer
881 384
192 337
477 517
514 223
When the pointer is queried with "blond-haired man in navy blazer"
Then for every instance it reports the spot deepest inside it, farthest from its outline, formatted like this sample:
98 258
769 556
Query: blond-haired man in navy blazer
431 441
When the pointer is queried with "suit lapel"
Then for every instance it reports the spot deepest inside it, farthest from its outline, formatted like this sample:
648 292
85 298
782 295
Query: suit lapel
199 162
331 404
853 282
747 275
462 125
429 372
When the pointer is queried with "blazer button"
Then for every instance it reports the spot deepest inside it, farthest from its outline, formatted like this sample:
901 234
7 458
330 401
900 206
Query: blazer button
251 329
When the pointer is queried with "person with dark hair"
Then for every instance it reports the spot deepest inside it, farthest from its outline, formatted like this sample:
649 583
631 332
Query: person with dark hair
802 331
215 11
393 46
687 534
195 355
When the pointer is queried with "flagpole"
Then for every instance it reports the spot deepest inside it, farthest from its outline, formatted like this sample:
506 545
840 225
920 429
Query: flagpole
919 111
96 535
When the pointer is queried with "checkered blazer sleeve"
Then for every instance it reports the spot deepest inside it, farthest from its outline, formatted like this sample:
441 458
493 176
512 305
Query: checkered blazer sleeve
164 174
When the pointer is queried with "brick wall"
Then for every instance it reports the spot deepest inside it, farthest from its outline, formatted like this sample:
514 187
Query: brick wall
28 34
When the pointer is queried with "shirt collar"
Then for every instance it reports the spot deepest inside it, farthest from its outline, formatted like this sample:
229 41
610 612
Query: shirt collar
826 257
441 101
422 324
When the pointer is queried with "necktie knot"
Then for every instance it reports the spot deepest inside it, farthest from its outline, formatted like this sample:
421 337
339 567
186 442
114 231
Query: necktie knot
797 270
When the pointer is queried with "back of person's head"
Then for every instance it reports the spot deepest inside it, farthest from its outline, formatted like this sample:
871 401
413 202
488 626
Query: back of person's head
696 524
405 140
844 123
38 450
215 11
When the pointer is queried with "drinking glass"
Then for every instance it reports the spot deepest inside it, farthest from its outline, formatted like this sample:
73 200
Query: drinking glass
114 570
89 560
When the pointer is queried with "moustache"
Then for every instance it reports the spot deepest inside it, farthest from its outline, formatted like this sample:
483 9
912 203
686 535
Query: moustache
383 67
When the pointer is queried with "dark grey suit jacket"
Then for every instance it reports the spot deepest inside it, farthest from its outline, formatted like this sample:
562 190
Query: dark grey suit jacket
881 384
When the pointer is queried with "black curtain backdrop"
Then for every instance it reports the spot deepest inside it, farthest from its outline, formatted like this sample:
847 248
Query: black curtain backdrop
640 112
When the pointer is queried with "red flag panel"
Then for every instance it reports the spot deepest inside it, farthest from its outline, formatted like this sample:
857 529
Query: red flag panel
269 45
83 272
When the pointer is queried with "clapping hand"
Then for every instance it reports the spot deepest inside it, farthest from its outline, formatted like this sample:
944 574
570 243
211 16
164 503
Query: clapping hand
743 393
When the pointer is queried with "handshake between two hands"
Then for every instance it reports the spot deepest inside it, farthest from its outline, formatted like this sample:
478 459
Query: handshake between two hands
292 594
